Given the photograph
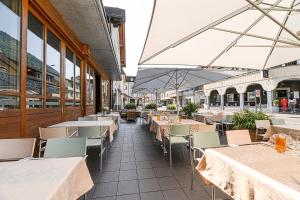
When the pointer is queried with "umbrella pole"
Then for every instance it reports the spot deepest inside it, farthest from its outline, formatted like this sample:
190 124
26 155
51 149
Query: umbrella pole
177 95
156 99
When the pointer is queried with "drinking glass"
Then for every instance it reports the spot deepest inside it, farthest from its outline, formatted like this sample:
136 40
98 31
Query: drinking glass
280 143
158 117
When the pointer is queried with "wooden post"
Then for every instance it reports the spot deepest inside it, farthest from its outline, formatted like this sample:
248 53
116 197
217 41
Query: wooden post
23 66
83 87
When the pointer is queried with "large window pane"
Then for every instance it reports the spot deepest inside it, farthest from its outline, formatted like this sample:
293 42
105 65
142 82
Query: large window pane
8 102
92 84
34 103
69 78
77 81
105 93
53 65
35 53
52 103
9 45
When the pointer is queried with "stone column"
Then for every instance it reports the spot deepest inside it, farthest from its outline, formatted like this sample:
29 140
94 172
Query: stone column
270 101
207 102
242 101
222 102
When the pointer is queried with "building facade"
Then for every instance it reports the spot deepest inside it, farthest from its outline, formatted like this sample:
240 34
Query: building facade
55 58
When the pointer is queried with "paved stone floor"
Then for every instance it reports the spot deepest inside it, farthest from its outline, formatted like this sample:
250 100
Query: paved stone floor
136 169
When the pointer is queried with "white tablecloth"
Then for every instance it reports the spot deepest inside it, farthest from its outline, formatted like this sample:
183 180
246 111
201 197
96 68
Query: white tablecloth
252 172
289 129
110 124
49 179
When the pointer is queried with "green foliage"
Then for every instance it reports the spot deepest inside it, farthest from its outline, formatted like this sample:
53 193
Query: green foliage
246 119
189 109
151 106
130 106
171 107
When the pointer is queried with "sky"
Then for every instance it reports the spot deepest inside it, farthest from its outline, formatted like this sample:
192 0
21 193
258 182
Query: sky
138 15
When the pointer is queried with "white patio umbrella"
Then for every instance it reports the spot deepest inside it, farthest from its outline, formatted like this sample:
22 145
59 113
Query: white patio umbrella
174 79
233 33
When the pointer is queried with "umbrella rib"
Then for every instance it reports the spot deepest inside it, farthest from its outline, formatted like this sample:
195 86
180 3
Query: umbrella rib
278 34
156 77
201 30
171 76
186 72
274 20
240 36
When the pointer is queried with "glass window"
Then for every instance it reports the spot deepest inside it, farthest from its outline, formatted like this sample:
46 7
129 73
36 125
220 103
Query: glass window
90 77
87 85
35 53
34 103
9 102
52 103
105 93
53 65
77 81
69 78
10 47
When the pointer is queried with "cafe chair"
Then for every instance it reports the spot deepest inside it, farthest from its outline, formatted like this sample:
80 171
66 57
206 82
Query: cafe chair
238 137
16 149
261 128
65 147
49 133
203 140
277 121
205 127
95 139
177 135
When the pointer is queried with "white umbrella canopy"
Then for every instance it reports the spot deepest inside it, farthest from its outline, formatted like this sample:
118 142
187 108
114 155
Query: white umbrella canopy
163 79
232 33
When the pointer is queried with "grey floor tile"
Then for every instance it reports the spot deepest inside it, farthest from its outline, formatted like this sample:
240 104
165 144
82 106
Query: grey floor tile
162 171
128 165
106 198
152 196
128 187
145 173
198 193
105 189
148 185
168 183
110 167
143 164
129 197
128 175
107 177
174 195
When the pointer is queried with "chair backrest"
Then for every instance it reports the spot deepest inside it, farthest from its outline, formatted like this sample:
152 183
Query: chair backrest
262 124
55 132
238 137
278 121
206 139
179 130
132 114
206 127
65 147
15 149
104 118
91 131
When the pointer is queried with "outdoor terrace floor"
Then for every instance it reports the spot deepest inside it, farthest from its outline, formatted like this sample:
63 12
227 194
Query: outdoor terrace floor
137 169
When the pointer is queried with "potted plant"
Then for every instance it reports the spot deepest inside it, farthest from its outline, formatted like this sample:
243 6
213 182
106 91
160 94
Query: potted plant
246 120
151 106
189 109
171 107
130 106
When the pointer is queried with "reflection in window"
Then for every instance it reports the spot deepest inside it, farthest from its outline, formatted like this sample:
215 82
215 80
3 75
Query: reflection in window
9 102
35 46
77 81
9 48
53 65
34 103
52 103
69 78
105 93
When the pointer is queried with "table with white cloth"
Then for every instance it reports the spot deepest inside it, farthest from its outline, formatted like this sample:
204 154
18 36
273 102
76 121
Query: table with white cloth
289 129
115 116
36 179
163 126
251 172
109 124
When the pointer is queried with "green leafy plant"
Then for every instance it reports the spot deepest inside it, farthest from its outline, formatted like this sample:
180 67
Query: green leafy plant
151 106
171 107
246 119
130 106
189 109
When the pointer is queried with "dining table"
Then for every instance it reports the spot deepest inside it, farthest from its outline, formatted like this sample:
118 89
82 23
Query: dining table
51 179
163 126
109 124
252 171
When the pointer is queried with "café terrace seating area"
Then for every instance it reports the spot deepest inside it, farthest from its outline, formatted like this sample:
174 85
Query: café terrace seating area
161 156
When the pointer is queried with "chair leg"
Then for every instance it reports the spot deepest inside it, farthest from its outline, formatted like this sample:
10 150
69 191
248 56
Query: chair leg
213 193
192 179
101 147
170 152
85 196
